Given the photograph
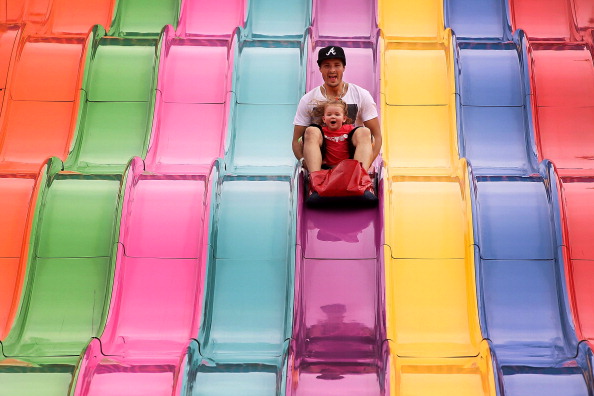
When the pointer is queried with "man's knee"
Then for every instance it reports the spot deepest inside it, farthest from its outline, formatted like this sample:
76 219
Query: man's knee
362 135
312 135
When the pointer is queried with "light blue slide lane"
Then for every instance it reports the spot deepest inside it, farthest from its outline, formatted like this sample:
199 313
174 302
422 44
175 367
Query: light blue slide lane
242 346
248 302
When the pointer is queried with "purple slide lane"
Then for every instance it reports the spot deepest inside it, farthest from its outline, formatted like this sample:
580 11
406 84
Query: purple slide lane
339 329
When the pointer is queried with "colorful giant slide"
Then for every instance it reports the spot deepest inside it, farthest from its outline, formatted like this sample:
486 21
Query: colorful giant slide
153 235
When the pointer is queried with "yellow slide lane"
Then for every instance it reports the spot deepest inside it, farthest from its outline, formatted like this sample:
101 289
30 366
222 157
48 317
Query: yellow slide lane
436 346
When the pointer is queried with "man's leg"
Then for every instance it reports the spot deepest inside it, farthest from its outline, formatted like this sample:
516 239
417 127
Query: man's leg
312 152
363 146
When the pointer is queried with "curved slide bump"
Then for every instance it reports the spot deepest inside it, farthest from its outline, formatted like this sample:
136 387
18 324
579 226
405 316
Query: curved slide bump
246 318
522 292
264 110
267 19
117 105
329 17
74 17
554 21
69 274
143 18
478 20
419 112
339 330
494 111
17 206
563 80
192 107
155 303
404 20
41 106
578 217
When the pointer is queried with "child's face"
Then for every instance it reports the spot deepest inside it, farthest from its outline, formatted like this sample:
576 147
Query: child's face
334 117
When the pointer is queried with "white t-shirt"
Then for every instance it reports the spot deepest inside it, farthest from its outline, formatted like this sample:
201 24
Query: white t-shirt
361 105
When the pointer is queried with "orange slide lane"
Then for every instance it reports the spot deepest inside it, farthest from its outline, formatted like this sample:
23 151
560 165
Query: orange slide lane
43 52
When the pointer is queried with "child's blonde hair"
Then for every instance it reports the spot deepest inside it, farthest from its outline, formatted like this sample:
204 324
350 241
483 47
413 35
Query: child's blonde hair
320 108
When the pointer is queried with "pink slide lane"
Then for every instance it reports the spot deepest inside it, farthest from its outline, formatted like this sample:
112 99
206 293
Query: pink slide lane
193 98
158 284
155 305
211 18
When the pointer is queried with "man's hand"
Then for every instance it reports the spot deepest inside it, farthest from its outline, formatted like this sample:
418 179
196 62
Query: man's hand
297 145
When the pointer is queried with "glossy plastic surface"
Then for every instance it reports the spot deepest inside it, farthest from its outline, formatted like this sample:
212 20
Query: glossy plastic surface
477 20
213 19
116 105
17 202
144 18
266 19
563 79
70 262
156 299
418 115
494 109
519 265
584 11
405 20
248 291
544 20
576 197
40 112
428 229
436 345
78 17
264 109
191 112
350 20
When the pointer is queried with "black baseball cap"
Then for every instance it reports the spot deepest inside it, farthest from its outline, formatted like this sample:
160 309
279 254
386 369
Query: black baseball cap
331 52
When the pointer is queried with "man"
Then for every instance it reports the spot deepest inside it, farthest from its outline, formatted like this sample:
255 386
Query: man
308 139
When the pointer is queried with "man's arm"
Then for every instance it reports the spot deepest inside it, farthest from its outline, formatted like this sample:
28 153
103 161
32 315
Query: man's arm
374 127
298 131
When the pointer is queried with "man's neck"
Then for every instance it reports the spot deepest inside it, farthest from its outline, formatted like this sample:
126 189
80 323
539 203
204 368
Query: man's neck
334 92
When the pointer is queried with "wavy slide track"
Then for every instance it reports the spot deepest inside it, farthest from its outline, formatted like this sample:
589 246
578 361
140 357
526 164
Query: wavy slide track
339 330
164 227
59 314
69 274
563 79
39 112
436 345
242 344
520 272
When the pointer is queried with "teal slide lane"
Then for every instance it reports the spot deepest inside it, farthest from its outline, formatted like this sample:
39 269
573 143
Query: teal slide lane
68 281
245 332
242 343
265 106
288 19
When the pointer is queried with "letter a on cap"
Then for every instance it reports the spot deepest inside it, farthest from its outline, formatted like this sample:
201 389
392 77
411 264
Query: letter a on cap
332 51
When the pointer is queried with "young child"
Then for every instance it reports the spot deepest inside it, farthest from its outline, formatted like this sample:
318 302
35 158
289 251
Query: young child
337 131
